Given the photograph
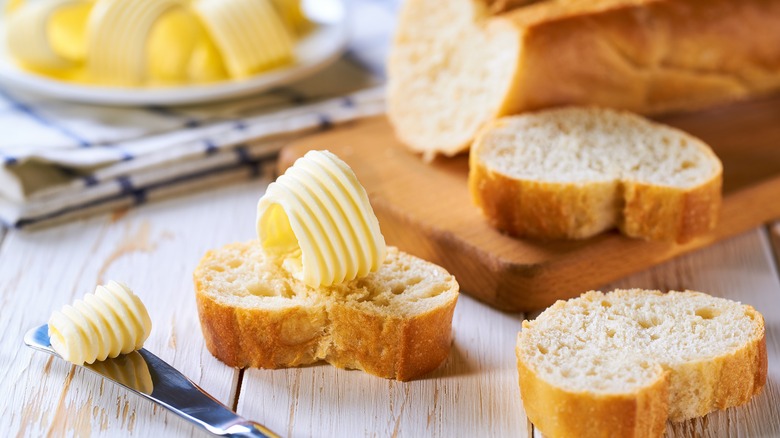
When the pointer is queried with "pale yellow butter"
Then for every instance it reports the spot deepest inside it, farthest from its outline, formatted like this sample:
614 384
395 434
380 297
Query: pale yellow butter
171 44
317 219
118 34
153 42
249 33
42 35
291 12
206 62
110 322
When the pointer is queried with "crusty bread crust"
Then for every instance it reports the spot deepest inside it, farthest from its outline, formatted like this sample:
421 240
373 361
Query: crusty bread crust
571 211
539 209
401 347
720 382
254 337
667 213
398 348
562 413
647 56
727 381
551 210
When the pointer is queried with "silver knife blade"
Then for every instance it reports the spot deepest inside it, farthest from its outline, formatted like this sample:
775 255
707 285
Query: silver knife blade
150 377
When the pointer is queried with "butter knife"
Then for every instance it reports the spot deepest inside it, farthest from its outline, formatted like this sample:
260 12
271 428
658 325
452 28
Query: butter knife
150 377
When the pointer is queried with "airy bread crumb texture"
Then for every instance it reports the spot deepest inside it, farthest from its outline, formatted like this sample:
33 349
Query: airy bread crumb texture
395 322
577 171
581 145
706 353
443 69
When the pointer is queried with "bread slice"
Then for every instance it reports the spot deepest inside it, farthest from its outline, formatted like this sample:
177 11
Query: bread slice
575 172
457 64
619 364
395 322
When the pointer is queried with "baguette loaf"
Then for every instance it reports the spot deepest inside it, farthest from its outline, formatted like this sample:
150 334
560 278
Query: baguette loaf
619 364
394 323
575 172
458 64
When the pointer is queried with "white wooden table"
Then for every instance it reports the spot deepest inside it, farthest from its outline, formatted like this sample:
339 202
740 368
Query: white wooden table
156 247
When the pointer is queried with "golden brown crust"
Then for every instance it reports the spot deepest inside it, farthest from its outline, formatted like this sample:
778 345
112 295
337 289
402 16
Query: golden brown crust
256 337
425 344
560 413
647 56
731 380
496 7
668 213
539 209
401 346
555 210
397 348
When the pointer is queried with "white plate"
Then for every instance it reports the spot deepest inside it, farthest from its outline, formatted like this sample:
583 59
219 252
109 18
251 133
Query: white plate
316 50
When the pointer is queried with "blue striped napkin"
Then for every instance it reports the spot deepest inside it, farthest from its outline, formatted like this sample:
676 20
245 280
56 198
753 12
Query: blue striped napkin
59 160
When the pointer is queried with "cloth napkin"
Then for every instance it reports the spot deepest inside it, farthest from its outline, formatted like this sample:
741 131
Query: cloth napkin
60 160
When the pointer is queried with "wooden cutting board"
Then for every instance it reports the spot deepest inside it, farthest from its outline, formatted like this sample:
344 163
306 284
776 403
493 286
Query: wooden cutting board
425 209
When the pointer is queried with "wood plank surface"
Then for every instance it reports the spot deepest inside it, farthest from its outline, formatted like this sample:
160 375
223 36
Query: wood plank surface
154 248
774 236
742 269
425 209
475 393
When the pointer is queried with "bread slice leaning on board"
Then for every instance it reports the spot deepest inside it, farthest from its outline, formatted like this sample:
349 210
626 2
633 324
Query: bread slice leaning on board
620 364
395 323
457 64
575 172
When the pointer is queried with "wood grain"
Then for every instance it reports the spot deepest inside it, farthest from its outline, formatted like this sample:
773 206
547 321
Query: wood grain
742 269
154 249
425 208
774 238
474 393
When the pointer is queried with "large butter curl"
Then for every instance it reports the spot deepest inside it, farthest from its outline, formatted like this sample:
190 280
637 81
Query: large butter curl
249 33
317 219
110 322
119 31
31 33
